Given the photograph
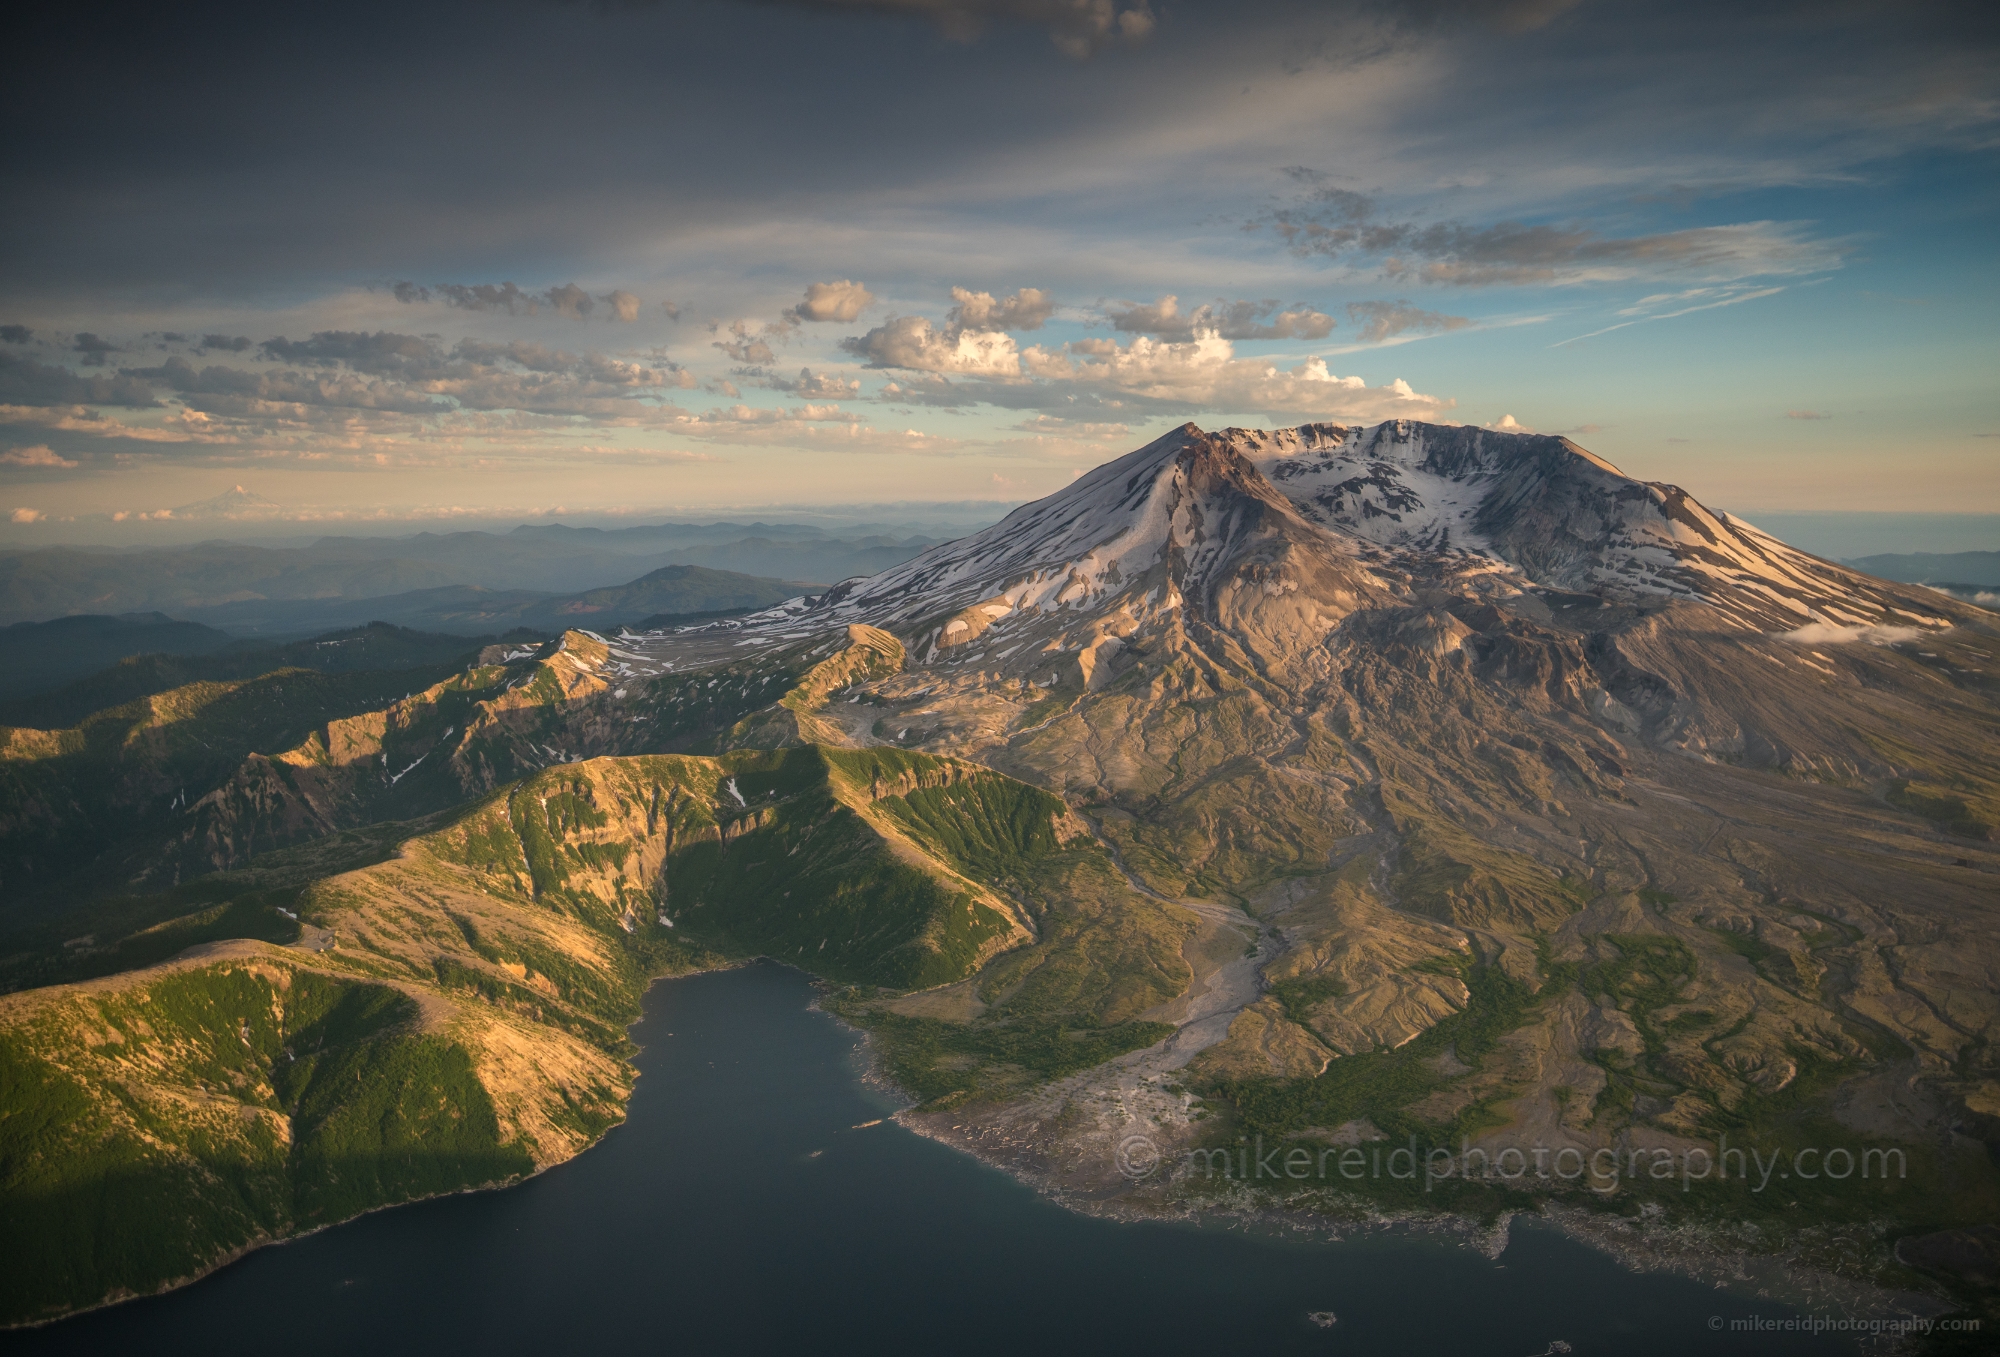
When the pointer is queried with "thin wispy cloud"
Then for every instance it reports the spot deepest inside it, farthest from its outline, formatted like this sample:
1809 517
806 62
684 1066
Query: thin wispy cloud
1381 321
1733 298
565 299
1330 222
1420 334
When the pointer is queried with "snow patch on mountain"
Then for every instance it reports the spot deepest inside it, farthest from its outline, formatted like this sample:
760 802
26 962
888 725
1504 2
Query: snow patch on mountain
1109 527
1558 513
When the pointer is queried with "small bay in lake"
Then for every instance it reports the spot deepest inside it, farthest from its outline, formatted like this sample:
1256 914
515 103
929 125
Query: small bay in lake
743 1208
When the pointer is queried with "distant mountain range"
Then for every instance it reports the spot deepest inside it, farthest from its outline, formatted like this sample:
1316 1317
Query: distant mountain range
40 657
671 590
203 581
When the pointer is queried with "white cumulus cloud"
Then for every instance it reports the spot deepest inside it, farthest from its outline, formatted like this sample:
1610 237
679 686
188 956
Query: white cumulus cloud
1028 309
840 300
1205 374
913 342
1199 373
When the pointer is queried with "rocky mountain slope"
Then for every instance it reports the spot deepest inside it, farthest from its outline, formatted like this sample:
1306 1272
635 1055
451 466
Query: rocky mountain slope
151 792
1310 787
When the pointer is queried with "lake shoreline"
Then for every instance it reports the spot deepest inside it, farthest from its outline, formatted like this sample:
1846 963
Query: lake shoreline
1699 1251
1696 1254
744 1175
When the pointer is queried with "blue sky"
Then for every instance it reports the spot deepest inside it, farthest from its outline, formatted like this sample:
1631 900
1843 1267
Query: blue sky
471 262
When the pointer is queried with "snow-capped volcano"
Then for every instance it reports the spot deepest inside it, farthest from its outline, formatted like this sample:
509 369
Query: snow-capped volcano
1275 552
1366 506
237 502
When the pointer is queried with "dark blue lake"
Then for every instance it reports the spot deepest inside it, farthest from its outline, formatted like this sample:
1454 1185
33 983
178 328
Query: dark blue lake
707 1223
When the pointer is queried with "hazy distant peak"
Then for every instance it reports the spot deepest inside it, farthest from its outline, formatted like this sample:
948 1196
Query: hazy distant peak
237 502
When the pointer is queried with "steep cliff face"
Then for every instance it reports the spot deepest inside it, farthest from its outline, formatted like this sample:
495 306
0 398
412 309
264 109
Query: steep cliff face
751 852
800 716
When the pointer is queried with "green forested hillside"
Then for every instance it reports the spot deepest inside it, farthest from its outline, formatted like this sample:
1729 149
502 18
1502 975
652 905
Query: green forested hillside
450 1012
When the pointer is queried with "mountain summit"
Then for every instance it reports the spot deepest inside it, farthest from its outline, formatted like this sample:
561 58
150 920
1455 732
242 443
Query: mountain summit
1274 539
1531 510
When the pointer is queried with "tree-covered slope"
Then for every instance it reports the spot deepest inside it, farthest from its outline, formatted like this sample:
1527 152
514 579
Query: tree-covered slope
199 777
451 1012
